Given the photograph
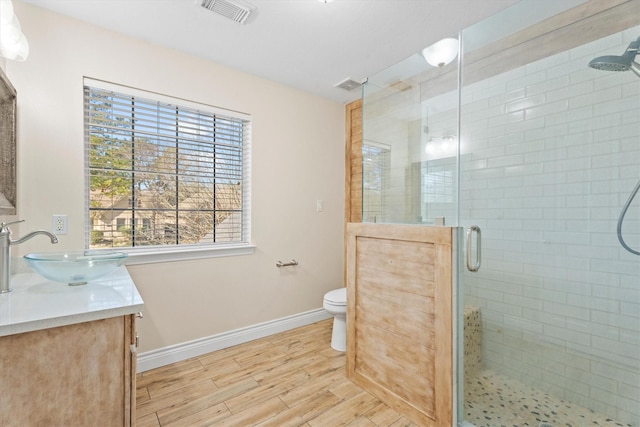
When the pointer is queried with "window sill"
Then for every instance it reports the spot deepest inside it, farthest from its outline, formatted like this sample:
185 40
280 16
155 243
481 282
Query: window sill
150 256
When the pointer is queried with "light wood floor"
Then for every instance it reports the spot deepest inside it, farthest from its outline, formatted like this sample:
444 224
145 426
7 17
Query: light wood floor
290 379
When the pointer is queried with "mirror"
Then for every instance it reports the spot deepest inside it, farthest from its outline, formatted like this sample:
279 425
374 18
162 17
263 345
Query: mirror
7 146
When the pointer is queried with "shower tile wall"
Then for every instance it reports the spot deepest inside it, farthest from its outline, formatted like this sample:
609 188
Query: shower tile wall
549 154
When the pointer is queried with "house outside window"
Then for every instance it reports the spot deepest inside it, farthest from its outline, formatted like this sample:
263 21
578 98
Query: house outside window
167 173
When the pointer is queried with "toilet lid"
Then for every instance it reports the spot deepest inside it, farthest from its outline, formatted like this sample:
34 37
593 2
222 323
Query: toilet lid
337 296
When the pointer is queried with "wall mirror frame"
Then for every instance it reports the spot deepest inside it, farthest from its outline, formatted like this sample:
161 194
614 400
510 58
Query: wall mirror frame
8 187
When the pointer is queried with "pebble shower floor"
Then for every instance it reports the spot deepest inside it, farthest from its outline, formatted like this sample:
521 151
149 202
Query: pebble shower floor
494 400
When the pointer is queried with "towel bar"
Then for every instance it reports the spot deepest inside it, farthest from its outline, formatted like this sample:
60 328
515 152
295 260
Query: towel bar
286 264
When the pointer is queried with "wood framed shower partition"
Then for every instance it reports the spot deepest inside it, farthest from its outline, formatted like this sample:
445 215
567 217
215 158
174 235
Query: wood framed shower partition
399 317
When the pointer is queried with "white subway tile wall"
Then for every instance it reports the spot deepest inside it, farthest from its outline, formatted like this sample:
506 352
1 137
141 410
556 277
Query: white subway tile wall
549 154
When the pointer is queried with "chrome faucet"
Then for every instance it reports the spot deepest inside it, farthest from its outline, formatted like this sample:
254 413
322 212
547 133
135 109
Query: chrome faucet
5 251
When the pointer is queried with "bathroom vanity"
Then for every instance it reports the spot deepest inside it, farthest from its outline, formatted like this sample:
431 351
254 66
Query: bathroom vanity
68 353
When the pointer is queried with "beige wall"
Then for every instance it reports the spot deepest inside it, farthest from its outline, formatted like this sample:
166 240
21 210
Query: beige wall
298 157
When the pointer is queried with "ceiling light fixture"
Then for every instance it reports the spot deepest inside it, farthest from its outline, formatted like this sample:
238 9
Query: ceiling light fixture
441 53
325 1
13 43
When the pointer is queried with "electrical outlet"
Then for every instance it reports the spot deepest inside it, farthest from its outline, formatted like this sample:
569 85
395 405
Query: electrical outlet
59 224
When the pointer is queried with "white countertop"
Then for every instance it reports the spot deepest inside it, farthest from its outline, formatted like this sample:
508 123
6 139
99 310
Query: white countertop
37 303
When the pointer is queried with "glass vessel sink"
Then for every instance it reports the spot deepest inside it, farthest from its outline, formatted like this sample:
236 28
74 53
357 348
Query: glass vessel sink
74 268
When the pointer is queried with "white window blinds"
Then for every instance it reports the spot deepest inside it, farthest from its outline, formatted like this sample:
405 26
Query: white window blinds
162 171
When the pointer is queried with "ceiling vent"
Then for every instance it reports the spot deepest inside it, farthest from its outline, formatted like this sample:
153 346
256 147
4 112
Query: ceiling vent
235 10
348 84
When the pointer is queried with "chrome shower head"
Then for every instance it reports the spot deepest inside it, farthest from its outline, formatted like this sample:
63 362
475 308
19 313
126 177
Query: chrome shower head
610 63
624 62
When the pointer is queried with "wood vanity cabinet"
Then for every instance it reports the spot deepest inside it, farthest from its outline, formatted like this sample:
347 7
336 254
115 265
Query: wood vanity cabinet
75 375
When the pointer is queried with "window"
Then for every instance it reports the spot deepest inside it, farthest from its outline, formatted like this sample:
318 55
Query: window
376 165
167 173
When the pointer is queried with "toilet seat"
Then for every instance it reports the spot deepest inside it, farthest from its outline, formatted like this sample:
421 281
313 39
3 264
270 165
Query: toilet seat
336 297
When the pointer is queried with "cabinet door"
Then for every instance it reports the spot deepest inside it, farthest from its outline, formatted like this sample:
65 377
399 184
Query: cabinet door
129 379
133 363
70 375
399 324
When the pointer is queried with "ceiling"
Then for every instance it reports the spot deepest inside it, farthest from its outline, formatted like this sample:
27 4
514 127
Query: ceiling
305 44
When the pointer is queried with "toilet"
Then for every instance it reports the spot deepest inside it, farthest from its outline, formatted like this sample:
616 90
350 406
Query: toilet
335 303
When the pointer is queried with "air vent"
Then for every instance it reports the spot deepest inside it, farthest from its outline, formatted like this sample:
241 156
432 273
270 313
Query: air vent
348 84
235 10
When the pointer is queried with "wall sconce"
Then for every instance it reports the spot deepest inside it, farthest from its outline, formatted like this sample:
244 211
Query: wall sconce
441 53
13 43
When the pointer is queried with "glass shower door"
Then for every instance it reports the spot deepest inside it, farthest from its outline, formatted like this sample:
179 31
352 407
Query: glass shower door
549 152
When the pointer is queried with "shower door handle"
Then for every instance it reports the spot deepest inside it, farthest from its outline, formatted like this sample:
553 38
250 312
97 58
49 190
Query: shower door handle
470 231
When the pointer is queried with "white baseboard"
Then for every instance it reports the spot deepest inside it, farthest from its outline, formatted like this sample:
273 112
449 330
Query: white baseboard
176 353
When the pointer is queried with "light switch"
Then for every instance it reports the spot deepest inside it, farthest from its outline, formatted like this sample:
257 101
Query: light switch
319 205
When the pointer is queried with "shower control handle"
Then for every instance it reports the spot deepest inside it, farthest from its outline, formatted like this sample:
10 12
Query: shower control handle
470 231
